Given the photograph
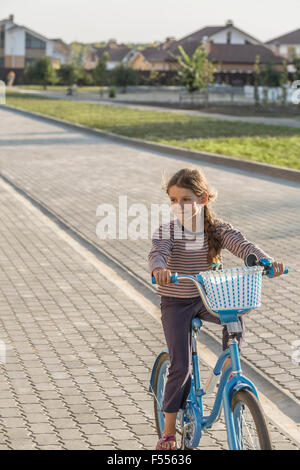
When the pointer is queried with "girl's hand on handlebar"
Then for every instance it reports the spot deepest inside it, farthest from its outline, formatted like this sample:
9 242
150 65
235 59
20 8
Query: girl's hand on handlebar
162 276
278 268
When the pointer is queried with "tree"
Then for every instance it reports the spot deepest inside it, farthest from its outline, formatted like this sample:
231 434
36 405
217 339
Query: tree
283 82
256 73
68 74
152 77
29 73
195 72
123 76
41 72
85 77
270 76
296 64
100 72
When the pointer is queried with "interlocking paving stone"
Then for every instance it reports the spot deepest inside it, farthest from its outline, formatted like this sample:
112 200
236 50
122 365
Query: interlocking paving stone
78 315
79 171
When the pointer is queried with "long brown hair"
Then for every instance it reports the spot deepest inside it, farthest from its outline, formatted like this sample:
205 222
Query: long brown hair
195 180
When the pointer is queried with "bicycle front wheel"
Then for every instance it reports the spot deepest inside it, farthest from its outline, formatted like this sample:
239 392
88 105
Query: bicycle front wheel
250 424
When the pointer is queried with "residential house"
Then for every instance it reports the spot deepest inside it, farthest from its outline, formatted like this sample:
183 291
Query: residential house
118 53
285 45
152 57
60 52
232 50
20 45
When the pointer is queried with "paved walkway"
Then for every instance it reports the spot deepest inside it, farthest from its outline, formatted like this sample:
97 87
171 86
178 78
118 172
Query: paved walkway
60 317
93 98
78 352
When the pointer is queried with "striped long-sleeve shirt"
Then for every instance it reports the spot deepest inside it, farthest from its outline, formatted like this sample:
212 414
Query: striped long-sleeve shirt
186 252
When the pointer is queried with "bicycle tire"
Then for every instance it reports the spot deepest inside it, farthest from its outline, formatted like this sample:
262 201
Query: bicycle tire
246 397
163 358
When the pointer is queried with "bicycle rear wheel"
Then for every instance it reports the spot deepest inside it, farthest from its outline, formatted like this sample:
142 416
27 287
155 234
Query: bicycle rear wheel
250 424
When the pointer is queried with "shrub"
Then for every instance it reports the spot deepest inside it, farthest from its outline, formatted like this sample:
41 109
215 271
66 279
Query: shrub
112 92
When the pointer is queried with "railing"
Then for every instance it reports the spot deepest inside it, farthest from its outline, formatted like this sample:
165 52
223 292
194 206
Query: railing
226 94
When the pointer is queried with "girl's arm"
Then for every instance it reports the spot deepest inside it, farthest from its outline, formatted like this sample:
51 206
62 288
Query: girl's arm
235 242
162 244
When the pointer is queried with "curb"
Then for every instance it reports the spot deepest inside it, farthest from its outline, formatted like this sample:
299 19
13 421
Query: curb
216 159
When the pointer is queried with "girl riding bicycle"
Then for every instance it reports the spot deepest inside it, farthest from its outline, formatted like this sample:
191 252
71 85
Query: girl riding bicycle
188 245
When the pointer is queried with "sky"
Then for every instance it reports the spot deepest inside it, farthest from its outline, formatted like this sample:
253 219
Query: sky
149 20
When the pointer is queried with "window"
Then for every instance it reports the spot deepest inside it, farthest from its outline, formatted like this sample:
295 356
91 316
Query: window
228 37
2 39
28 60
283 49
34 43
1 61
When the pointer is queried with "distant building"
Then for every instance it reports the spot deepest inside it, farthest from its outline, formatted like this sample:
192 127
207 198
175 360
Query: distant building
232 50
20 45
117 54
285 45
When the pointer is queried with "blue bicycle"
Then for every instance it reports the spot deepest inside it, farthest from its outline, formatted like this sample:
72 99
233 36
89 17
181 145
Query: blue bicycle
227 293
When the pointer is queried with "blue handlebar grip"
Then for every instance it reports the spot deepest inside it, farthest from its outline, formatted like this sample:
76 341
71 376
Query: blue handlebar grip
271 271
265 262
172 279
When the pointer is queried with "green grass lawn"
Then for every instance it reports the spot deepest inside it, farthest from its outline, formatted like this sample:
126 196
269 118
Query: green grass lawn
86 89
276 145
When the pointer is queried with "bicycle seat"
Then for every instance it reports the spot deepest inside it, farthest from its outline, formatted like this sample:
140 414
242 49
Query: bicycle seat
196 324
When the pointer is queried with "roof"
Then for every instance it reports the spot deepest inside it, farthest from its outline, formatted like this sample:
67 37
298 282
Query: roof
289 38
234 53
16 26
5 20
116 53
59 40
154 54
208 31
243 53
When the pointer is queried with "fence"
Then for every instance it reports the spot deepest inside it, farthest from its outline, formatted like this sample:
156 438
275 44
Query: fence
226 94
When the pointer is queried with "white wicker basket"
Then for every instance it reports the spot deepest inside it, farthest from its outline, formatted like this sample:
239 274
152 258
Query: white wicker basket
234 288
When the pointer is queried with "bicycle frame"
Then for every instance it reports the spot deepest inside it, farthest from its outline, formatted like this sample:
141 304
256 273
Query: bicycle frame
226 387
225 390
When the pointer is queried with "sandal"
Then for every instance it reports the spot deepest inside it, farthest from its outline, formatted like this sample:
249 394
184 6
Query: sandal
167 442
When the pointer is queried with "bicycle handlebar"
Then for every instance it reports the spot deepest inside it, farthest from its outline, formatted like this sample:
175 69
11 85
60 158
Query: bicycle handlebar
266 263
268 268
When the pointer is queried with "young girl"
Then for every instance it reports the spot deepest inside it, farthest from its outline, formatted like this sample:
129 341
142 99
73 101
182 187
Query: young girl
180 303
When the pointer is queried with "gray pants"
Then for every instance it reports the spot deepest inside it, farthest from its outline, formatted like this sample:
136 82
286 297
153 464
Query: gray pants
177 314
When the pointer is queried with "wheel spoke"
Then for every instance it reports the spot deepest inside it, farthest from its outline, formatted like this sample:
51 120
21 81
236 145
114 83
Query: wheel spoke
247 433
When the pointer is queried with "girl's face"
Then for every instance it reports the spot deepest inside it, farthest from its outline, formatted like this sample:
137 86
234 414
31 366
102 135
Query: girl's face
185 203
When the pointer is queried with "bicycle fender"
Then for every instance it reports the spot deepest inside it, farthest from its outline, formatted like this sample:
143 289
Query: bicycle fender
154 369
235 384
228 415
242 383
